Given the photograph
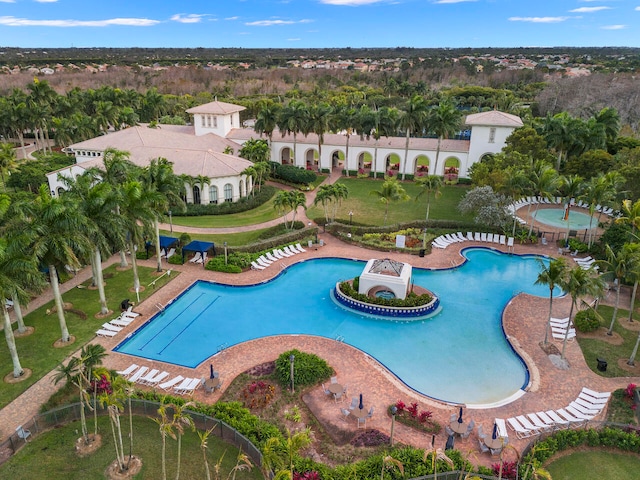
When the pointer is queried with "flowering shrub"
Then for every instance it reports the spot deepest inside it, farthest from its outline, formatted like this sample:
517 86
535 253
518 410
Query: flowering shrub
412 416
413 410
424 416
258 394
370 438
312 475
400 405
509 470
628 392
102 385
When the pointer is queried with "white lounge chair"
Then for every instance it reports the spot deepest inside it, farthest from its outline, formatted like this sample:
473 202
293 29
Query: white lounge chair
510 242
300 249
255 266
185 382
476 237
588 404
582 409
524 421
147 376
573 420
262 260
560 333
171 383
197 257
503 239
549 421
113 328
557 419
121 322
594 394
539 423
158 378
189 387
129 313
128 371
439 245
270 257
139 373
162 253
23 433
171 253
470 236
277 254
105 333
289 251
483 237
502 427
521 432
203 259
583 259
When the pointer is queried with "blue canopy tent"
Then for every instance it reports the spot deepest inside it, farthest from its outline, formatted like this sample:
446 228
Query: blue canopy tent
165 243
198 246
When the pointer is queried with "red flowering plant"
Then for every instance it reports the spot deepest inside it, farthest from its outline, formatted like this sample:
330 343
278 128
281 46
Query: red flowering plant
102 385
400 405
413 410
412 416
311 475
258 394
509 470
628 392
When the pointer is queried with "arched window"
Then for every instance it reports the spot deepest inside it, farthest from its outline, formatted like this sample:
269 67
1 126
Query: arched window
228 193
61 191
196 194
213 194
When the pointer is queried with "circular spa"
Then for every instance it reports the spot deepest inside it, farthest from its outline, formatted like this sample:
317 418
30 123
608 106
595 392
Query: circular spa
460 354
555 217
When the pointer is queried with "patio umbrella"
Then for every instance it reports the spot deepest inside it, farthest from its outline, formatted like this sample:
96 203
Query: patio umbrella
361 406
211 374
494 435
460 416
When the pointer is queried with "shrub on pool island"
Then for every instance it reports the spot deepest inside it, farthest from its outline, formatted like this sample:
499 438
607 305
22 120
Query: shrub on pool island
309 369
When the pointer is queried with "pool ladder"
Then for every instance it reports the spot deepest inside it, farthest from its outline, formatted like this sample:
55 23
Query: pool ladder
160 307
340 338
221 347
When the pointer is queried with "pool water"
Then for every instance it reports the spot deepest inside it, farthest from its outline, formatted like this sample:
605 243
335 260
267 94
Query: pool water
459 355
554 217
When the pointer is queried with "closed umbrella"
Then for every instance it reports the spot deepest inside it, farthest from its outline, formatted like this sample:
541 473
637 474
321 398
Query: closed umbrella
460 416
211 373
494 435
361 406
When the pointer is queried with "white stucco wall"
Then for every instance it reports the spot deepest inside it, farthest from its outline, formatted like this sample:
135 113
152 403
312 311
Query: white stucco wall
480 144
220 126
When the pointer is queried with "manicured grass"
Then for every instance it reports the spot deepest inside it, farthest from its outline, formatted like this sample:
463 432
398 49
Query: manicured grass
595 465
261 214
51 455
369 210
596 348
36 351
232 239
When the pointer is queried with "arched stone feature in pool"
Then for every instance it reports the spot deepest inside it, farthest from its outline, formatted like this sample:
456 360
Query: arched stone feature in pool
386 274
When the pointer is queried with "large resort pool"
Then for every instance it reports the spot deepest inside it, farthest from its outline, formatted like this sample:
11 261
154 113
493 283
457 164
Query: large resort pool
459 354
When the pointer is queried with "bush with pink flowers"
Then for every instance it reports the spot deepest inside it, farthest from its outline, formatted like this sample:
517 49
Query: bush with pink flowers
412 416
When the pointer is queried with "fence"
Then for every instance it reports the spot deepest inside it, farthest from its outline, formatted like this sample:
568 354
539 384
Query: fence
71 413
454 475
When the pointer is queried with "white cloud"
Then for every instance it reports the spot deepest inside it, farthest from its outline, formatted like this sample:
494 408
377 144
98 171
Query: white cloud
191 18
453 1
589 9
25 22
614 27
293 39
7 1
637 9
350 3
271 23
232 18
539 19
46 1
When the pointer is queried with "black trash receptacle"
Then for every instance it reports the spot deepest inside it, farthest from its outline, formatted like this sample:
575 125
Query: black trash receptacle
421 252
602 365
450 443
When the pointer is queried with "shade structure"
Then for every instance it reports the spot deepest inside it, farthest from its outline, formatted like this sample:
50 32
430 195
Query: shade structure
166 242
361 405
460 416
198 246
494 435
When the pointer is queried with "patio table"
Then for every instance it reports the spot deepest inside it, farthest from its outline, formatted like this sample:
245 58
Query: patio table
210 384
458 428
493 443
336 388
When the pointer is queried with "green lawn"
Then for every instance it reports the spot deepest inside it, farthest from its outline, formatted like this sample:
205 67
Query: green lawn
232 239
595 348
52 456
36 351
368 210
595 465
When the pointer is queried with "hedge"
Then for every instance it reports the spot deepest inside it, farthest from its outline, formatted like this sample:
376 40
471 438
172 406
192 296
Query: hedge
226 208
309 369
412 299
586 321
293 174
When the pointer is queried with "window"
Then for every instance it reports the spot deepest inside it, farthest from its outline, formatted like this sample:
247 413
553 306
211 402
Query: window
241 188
213 194
492 135
209 121
228 193
215 122
202 117
196 194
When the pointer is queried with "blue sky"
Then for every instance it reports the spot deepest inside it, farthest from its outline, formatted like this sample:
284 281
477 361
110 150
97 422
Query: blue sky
319 23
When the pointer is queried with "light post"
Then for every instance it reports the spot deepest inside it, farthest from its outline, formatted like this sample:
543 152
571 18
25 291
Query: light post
225 252
394 410
170 222
292 359
350 217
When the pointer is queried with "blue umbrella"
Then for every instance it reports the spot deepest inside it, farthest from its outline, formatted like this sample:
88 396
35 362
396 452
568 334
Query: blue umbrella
211 373
494 435
460 416
361 406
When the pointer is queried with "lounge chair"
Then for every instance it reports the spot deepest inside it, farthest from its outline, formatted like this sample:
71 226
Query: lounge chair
105 333
270 257
539 423
503 239
583 260
557 419
260 261
171 253
190 387
184 384
502 427
496 238
510 242
255 266
289 251
521 432
284 254
589 404
483 237
276 254
546 418
461 237
138 375
582 409
203 259
594 394
439 245
573 420
128 371
114 328
489 237
22 433
121 322
300 249
148 376
470 236
162 253
196 257
524 421
560 333
129 313
158 378
171 383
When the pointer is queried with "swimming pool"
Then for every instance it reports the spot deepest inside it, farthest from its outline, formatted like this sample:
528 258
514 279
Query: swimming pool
555 217
458 355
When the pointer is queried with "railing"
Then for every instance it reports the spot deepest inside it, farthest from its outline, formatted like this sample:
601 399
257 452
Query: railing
71 413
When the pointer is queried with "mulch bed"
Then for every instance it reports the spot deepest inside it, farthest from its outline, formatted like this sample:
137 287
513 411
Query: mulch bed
601 334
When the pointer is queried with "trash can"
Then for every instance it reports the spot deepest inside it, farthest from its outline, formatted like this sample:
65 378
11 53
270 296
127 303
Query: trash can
421 252
602 365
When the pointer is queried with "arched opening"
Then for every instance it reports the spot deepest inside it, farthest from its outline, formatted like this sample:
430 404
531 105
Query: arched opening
213 194
61 191
422 165
451 170
365 160
286 156
196 194
311 159
228 192
392 164
337 159
241 188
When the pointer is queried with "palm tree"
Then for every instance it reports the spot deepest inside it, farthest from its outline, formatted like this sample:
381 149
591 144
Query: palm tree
551 274
578 283
181 420
278 454
610 120
630 214
344 118
324 197
444 121
113 402
19 116
431 184
319 123
412 120
166 430
7 161
617 266
204 436
267 119
391 191
387 462
41 101
633 275
436 454
571 187
544 182
292 119
385 122
559 133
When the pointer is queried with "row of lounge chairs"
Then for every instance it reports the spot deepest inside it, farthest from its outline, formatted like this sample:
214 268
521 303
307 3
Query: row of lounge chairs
586 263
558 201
585 407
199 257
112 327
443 241
559 328
143 376
264 261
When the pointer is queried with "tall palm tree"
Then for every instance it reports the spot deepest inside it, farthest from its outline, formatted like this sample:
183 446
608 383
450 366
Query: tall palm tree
558 132
292 120
544 182
19 114
577 283
431 184
445 120
319 123
391 191
41 101
571 187
166 430
180 420
344 119
385 123
551 274
267 119
412 120
633 275
279 454
7 161
113 401
610 120
616 267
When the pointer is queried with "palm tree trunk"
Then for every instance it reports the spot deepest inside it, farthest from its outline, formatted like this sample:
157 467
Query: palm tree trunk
632 358
94 274
112 418
11 343
156 227
83 417
615 309
406 154
134 267
19 318
375 158
164 456
22 146
123 259
179 455
55 286
633 301
435 167
533 219
97 261
548 327
346 155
